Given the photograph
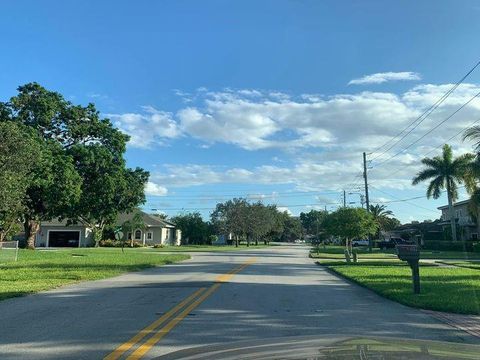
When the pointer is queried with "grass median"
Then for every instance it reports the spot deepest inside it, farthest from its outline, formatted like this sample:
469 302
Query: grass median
43 270
443 288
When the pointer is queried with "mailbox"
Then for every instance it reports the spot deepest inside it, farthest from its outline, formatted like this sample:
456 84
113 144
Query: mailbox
408 252
411 254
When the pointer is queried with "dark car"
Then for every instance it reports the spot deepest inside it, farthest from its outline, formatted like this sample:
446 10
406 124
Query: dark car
392 242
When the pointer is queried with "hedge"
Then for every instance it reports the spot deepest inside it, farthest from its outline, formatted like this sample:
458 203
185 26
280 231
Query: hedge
449 245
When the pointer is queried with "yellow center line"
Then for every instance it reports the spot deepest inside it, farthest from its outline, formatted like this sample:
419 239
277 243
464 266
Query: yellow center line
144 348
118 352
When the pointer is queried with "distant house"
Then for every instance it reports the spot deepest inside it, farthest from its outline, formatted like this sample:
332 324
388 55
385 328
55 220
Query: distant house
155 231
419 231
467 226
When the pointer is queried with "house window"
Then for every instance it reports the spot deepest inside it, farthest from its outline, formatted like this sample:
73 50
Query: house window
129 236
474 236
138 235
149 235
167 234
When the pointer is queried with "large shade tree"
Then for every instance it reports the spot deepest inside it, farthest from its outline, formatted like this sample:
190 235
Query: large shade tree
350 223
231 217
81 174
108 187
194 229
19 153
445 173
312 222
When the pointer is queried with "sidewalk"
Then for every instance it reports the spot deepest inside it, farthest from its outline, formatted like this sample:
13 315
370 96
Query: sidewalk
467 323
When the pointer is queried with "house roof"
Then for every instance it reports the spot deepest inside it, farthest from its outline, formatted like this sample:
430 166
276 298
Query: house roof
149 220
455 204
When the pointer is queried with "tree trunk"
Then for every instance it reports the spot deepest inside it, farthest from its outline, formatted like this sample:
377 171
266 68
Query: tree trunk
347 251
31 228
256 242
248 241
451 210
236 240
97 235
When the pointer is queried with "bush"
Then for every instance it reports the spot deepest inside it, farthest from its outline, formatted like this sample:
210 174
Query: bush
448 245
108 243
158 246
116 243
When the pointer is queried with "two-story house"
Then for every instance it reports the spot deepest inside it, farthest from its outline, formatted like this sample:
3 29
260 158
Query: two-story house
467 226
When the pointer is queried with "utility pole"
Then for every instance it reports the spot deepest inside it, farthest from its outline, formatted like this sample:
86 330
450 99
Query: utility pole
367 200
344 199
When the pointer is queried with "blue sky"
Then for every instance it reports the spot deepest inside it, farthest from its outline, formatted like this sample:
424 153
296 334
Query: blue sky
255 98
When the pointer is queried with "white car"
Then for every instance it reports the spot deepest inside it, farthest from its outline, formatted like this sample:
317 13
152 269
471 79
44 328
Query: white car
360 242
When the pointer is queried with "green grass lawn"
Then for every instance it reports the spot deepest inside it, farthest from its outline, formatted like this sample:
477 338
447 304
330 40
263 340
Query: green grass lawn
42 270
448 289
443 289
336 252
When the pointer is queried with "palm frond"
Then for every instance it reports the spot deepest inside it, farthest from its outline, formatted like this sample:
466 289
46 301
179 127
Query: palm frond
435 188
434 163
473 134
447 154
426 174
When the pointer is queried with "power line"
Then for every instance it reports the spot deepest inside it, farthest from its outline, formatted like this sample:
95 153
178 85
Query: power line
406 200
212 207
437 147
251 195
431 130
424 115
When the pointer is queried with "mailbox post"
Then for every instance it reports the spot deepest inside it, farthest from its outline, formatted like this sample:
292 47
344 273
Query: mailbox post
411 254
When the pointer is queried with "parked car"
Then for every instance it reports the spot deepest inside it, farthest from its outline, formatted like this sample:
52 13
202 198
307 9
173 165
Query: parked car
392 242
360 242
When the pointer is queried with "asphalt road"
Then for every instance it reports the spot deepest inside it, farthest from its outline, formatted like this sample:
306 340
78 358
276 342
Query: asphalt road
212 298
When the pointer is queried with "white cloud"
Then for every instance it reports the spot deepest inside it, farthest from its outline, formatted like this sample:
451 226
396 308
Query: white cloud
379 78
154 189
322 138
284 209
148 128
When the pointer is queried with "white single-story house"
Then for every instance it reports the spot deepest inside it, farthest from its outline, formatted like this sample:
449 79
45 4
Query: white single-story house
156 230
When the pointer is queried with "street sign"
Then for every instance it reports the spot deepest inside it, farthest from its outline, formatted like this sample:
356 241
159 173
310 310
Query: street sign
118 235
411 254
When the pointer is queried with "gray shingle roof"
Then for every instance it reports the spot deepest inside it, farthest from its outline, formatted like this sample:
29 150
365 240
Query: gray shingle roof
149 220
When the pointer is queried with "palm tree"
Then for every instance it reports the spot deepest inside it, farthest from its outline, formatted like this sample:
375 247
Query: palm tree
381 216
473 133
445 173
379 211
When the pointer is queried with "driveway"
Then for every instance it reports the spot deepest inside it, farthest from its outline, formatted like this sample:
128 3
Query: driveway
212 298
